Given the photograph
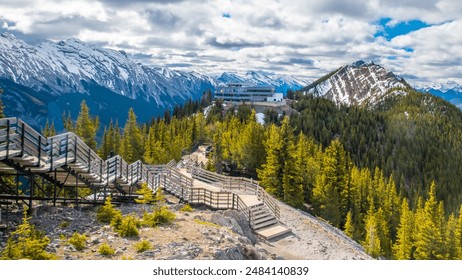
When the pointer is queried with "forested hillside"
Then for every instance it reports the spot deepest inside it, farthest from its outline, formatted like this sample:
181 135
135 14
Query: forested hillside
388 176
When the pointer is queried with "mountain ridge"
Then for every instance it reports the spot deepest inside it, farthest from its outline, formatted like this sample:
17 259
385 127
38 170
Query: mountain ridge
44 80
359 83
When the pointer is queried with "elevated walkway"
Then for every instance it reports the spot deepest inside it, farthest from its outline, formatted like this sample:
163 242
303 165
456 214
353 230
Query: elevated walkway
63 168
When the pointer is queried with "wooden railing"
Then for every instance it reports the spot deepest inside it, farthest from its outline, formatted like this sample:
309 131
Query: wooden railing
237 185
67 148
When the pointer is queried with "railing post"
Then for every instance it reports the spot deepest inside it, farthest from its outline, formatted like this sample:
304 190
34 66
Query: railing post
100 170
22 139
89 159
67 148
75 148
131 172
250 217
39 150
7 138
51 154
120 166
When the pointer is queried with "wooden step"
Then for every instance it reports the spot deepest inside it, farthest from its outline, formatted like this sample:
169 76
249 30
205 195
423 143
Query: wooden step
11 154
273 231
264 218
265 224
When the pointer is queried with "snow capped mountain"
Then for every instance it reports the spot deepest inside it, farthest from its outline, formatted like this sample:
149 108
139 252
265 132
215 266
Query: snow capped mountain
44 80
281 83
41 81
450 91
358 83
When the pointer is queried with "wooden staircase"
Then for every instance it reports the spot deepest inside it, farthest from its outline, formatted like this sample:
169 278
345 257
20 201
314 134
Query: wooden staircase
66 162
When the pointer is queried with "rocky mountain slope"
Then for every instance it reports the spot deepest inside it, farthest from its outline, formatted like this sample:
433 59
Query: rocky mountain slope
202 235
44 80
359 83
41 81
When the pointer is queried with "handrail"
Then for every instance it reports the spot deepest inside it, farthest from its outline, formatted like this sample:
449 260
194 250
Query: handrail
237 184
69 149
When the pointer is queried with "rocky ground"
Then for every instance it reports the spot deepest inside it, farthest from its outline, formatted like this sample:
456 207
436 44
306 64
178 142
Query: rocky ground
202 234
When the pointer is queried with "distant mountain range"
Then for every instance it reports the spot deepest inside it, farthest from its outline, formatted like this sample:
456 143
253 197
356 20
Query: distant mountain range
43 81
450 91
281 83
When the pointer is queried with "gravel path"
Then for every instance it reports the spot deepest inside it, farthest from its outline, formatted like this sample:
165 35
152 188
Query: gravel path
312 239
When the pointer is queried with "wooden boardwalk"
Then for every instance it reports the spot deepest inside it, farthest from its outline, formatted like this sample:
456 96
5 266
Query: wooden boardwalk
55 168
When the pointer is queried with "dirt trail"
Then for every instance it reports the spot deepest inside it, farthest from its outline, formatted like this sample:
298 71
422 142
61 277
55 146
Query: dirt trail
312 239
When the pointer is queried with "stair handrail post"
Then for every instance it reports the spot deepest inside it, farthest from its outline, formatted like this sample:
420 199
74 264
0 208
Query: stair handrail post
101 170
75 148
67 148
22 139
89 159
51 154
39 150
7 138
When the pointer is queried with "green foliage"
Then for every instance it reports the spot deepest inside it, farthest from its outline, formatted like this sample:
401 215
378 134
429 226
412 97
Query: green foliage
85 125
26 243
146 194
331 190
64 224
78 241
372 241
128 226
186 208
142 246
111 141
132 140
429 237
404 246
106 250
49 130
107 212
160 216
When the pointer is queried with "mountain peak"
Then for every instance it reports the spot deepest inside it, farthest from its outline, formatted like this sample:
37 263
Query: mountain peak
362 63
360 83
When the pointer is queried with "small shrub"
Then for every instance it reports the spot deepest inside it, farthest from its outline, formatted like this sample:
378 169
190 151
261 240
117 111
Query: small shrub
106 250
107 212
116 220
64 224
142 246
160 216
78 241
200 222
146 195
187 208
26 243
129 226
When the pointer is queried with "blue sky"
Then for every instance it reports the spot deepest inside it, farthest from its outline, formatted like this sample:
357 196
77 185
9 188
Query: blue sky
418 39
390 29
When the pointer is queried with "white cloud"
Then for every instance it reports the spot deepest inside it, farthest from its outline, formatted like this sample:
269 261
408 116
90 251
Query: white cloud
303 38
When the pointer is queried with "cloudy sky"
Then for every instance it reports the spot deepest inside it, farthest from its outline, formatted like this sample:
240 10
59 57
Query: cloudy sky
418 39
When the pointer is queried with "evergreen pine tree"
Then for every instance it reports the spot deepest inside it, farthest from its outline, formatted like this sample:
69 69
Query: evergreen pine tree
331 182
132 140
86 126
349 227
372 240
272 170
403 247
429 239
